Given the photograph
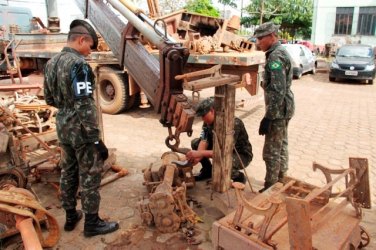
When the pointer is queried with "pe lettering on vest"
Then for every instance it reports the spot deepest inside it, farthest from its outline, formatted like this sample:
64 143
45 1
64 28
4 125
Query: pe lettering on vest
83 89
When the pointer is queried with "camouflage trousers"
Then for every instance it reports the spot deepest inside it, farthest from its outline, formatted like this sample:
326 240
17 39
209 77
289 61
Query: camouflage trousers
275 152
236 164
75 164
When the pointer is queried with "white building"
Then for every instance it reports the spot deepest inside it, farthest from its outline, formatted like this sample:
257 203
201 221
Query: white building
344 21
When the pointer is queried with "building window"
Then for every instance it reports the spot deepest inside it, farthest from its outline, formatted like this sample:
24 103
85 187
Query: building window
344 18
367 21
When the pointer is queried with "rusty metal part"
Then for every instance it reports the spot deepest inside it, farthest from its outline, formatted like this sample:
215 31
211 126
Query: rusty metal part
309 217
25 159
42 143
14 176
20 86
53 24
162 204
14 202
120 172
154 8
166 206
365 238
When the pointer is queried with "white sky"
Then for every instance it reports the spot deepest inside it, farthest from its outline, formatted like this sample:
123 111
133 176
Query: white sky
67 9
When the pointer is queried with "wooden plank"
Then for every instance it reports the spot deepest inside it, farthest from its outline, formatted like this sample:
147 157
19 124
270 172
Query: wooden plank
209 82
299 225
224 237
362 193
224 105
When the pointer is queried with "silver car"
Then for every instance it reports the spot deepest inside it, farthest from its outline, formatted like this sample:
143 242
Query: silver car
303 60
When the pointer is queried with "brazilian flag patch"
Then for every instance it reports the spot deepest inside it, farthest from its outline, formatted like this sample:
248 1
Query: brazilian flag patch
275 65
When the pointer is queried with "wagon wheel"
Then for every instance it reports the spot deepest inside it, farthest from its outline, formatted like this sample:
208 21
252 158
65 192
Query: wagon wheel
364 238
13 177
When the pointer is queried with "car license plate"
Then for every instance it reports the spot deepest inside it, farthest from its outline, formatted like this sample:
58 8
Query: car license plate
351 73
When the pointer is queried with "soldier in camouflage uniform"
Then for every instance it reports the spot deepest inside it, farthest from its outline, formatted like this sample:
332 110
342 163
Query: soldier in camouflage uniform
279 103
69 85
203 146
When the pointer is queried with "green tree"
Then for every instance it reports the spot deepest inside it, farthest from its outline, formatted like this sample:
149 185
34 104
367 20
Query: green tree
295 16
203 7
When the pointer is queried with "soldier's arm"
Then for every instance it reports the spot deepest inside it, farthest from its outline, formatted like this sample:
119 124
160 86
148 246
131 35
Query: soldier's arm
84 104
238 126
46 86
276 89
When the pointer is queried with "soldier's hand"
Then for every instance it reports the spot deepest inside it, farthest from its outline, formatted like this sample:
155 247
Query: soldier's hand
265 126
102 149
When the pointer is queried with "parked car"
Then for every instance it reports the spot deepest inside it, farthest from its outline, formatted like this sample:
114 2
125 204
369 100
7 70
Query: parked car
353 61
303 60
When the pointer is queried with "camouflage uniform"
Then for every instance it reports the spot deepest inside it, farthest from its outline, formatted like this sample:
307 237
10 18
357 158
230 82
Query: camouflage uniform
279 106
69 85
242 145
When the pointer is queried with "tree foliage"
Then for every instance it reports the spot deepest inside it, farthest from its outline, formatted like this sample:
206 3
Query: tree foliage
203 7
295 16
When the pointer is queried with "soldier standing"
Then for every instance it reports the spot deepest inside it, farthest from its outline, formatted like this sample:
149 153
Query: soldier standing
68 86
279 103
203 146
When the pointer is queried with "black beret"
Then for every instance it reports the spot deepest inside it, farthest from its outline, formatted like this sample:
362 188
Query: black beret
266 29
204 106
88 27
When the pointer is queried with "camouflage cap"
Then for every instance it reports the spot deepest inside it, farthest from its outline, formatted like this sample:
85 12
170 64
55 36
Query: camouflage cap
88 27
266 29
204 106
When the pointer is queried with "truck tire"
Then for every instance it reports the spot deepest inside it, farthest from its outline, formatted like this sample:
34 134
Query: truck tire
114 91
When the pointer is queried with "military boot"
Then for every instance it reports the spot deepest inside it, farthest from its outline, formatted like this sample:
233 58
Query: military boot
206 170
95 225
72 218
239 178
266 186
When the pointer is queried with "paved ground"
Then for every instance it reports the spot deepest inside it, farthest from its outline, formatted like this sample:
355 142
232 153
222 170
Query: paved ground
333 121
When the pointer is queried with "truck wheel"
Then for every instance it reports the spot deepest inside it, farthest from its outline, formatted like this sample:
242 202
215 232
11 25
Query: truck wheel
113 91
332 79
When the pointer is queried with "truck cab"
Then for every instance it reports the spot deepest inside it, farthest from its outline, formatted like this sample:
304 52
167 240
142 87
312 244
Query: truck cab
14 20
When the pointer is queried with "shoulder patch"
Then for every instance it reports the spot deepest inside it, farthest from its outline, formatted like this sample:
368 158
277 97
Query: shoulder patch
274 65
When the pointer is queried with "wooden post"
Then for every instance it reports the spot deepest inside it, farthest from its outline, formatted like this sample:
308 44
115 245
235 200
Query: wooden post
224 105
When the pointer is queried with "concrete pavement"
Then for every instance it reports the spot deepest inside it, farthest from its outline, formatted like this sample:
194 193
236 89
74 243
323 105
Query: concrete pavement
333 121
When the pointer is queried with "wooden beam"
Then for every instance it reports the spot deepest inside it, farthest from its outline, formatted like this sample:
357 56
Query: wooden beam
224 105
